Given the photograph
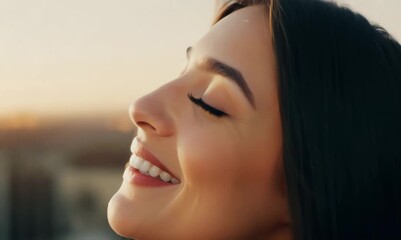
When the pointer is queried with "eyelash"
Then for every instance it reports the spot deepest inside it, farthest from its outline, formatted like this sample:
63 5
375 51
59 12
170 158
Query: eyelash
207 108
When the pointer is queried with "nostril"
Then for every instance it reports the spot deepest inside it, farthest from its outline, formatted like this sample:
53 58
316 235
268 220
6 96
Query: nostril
143 124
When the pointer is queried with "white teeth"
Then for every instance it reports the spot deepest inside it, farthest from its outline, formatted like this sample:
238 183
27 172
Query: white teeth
145 166
136 162
134 145
154 171
174 181
165 176
132 160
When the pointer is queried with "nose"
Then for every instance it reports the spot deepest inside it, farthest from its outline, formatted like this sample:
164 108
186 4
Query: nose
150 114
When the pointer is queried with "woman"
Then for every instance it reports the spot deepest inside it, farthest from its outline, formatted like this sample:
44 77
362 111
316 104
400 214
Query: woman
285 124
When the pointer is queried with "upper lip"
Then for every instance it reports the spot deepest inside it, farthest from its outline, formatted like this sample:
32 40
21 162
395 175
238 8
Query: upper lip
139 150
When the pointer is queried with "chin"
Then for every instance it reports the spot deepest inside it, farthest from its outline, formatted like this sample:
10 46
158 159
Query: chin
120 217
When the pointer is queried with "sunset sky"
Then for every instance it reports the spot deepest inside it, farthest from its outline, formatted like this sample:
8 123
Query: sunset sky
90 56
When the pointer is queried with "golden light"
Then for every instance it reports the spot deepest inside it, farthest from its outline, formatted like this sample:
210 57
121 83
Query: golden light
19 122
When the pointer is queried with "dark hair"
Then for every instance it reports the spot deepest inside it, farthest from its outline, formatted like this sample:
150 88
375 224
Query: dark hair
340 100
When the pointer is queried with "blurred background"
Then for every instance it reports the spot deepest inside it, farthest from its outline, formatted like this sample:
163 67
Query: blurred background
68 72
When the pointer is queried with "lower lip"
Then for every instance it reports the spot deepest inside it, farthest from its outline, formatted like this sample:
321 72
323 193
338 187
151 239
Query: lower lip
135 177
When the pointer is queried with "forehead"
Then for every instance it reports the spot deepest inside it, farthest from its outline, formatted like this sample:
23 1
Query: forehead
243 41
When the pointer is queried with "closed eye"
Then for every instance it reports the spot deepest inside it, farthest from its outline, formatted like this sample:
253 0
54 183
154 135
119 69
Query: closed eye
206 107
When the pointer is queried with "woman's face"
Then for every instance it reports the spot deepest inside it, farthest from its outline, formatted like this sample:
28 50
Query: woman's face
229 166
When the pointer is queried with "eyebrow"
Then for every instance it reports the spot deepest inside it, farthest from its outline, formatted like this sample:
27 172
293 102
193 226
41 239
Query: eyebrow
217 67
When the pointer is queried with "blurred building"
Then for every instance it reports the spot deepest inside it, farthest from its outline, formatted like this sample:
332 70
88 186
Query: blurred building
4 197
56 181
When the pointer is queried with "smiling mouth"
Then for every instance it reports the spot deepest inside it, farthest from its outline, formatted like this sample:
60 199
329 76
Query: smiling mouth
147 168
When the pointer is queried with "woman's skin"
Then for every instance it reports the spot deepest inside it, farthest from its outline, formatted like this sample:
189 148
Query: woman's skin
230 168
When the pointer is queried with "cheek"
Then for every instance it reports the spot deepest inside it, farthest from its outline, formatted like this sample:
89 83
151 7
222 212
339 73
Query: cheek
216 158
207 156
